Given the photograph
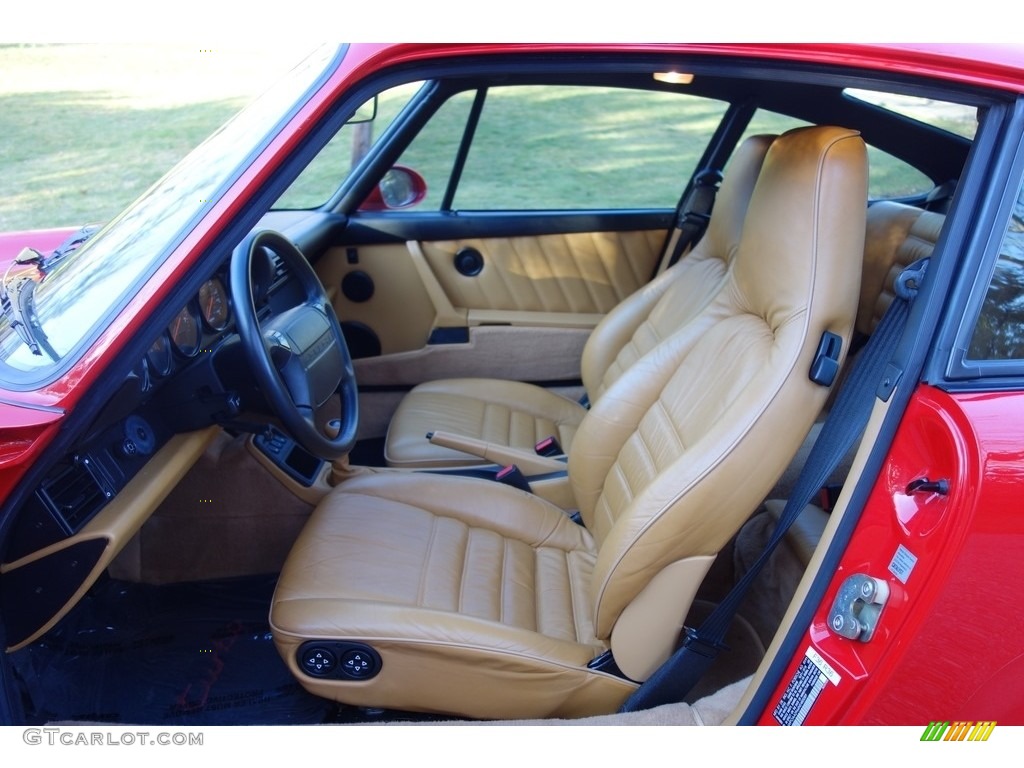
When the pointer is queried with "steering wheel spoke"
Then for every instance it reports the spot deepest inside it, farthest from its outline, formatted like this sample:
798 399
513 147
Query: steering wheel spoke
298 355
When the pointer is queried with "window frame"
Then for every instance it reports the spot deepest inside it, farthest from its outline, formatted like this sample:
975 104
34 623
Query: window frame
981 250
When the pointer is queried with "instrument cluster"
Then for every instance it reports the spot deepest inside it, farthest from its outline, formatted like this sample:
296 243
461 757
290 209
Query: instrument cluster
206 316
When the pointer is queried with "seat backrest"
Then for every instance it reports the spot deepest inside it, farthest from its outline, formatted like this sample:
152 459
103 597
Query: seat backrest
664 305
680 450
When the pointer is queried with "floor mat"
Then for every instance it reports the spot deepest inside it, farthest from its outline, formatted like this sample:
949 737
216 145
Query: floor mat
181 654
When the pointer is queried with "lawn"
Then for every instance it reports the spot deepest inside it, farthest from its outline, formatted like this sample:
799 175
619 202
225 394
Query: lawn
87 128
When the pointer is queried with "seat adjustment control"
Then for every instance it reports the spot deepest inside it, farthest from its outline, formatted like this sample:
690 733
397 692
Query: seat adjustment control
319 661
339 660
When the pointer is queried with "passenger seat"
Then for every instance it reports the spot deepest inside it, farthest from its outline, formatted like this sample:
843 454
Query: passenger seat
519 415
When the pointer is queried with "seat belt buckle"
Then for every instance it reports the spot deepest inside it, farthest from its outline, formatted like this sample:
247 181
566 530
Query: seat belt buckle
702 646
549 446
512 475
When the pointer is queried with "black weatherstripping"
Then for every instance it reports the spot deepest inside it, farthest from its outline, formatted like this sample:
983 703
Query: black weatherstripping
372 229
992 197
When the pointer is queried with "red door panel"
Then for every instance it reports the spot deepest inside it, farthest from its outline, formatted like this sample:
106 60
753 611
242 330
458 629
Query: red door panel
949 643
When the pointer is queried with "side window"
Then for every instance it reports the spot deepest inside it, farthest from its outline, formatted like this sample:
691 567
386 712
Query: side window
766 121
568 148
999 332
888 176
322 177
432 153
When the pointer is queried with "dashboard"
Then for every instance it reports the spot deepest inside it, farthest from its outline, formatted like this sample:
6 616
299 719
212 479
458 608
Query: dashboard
192 380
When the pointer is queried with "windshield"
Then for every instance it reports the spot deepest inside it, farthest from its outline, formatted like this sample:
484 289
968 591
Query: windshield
88 287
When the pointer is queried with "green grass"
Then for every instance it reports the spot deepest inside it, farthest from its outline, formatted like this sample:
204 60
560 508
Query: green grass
87 128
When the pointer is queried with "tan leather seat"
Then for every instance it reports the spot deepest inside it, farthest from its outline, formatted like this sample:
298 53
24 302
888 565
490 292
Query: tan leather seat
897 236
517 414
481 600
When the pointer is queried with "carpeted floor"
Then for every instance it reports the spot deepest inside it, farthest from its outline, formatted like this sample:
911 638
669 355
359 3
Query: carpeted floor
184 654
200 654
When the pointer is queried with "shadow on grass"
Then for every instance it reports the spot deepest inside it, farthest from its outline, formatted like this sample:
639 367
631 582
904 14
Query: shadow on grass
69 158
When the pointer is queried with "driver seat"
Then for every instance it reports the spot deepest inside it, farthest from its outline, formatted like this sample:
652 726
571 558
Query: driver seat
456 595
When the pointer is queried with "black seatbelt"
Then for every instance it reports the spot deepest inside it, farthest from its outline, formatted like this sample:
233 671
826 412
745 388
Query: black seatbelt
694 213
844 424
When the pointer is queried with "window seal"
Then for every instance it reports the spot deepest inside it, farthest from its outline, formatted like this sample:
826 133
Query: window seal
994 209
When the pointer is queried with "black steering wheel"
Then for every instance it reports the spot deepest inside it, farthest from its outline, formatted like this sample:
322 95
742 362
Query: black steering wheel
298 356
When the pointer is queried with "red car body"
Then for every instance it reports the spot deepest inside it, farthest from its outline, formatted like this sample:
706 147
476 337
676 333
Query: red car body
949 643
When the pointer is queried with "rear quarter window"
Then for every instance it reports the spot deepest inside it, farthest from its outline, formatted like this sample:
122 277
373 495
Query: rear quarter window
888 176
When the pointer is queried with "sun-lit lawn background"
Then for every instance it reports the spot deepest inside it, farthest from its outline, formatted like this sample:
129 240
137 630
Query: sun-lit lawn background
85 129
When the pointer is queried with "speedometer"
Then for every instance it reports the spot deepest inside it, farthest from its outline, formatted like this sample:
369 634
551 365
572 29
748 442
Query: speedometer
213 304
185 332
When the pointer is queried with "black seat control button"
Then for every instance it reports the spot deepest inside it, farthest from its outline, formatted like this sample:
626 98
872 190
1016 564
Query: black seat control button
319 661
339 659
357 664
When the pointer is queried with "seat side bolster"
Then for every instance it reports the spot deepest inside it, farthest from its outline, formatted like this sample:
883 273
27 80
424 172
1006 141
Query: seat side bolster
617 328
689 285
647 630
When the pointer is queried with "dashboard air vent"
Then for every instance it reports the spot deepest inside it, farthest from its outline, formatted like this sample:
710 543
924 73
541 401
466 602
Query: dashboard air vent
73 495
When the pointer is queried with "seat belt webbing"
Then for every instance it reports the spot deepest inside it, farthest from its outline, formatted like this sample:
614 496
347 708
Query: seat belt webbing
693 214
843 425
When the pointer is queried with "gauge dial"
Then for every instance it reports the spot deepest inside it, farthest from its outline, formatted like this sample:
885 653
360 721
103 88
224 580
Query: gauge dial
141 375
185 332
159 356
213 303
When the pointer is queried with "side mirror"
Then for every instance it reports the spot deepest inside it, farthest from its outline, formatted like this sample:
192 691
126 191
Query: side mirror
366 113
401 187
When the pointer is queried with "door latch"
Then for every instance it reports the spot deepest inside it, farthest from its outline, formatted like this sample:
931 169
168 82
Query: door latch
857 606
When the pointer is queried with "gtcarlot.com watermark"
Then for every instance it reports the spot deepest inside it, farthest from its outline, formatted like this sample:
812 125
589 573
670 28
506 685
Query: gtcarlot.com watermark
66 737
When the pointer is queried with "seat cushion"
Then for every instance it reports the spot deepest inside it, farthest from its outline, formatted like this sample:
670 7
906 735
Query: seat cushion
473 593
510 413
